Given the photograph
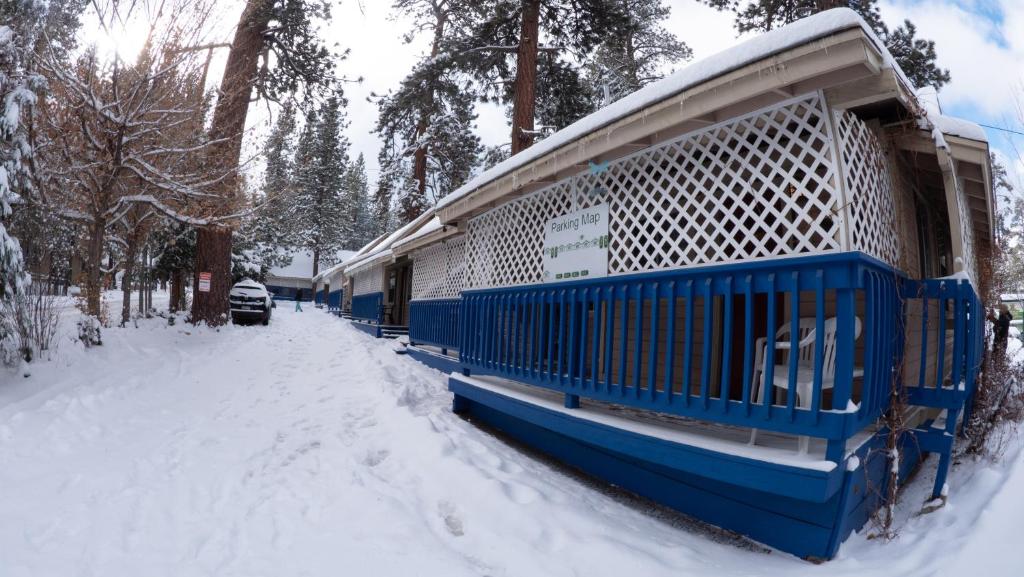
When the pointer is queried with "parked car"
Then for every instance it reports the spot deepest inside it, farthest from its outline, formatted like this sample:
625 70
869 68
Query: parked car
250 302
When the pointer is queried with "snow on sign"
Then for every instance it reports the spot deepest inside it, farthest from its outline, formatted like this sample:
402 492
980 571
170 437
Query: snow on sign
204 282
576 245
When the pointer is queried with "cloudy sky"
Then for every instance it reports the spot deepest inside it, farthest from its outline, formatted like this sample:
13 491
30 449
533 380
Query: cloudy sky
981 42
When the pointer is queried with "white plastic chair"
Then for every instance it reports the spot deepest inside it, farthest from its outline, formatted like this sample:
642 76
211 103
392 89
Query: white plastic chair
806 341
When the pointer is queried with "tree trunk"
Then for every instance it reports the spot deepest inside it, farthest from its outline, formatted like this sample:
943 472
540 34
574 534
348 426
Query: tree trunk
316 261
419 165
524 99
177 292
213 255
93 279
213 246
126 280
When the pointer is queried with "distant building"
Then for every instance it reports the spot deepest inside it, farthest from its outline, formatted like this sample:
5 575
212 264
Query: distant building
295 281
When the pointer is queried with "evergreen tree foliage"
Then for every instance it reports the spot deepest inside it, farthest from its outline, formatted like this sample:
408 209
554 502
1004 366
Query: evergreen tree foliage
357 197
915 56
510 65
316 213
637 53
271 222
18 92
427 122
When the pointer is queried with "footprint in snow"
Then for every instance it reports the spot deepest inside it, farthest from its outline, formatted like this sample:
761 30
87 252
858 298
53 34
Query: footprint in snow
450 515
375 457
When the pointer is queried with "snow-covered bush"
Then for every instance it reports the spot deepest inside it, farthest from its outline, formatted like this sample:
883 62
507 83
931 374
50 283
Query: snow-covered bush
29 319
89 332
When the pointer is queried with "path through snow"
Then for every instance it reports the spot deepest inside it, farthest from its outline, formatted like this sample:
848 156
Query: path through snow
308 448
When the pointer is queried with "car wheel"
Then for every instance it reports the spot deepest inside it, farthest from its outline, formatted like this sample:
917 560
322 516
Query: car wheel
266 318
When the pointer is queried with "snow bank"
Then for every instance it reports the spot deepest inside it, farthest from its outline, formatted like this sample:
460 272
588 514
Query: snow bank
309 448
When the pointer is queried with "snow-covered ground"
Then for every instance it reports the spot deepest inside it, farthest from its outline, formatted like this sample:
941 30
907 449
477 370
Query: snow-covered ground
308 448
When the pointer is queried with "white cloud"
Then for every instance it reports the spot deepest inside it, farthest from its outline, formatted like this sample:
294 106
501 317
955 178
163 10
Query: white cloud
986 60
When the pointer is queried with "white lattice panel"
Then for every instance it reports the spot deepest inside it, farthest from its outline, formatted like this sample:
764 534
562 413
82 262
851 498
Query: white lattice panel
503 246
869 188
439 271
368 280
760 185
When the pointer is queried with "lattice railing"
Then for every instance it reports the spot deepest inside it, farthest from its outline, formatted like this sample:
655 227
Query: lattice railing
368 280
760 185
439 270
869 189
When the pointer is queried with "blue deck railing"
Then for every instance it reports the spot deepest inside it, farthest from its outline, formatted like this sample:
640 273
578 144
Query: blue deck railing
334 300
684 341
435 322
951 329
368 307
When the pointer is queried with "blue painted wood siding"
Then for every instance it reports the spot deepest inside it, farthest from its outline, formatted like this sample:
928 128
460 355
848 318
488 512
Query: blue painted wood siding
319 298
334 300
435 322
669 341
368 307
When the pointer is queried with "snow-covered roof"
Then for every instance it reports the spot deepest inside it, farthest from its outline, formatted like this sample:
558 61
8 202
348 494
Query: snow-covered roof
928 98
344 257
302 265
434 224
953 126
700 71
383 248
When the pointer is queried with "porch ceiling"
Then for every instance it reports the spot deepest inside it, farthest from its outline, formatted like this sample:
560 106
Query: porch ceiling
972 168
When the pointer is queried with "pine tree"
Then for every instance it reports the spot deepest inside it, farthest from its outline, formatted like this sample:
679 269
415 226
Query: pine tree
509 39
17 93
285 30
915 56
270 224
381 213
318 219
357 200
637 53
427 122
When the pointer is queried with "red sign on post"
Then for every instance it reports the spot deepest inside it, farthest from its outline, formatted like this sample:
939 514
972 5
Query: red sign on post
204 281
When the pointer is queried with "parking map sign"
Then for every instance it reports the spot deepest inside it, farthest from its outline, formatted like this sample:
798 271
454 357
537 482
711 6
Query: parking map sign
576 245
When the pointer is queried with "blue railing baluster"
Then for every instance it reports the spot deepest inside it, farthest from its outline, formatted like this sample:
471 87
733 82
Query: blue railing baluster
819 329
726 386
560 351
652 347
767 389
609 337
623 340
581 364
941 341
794 345
670 345
573 334
845 313
705 358
688 345
595 345
638 339
748 343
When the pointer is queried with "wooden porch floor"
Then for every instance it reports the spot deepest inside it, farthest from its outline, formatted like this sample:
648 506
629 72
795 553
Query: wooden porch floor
772 447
